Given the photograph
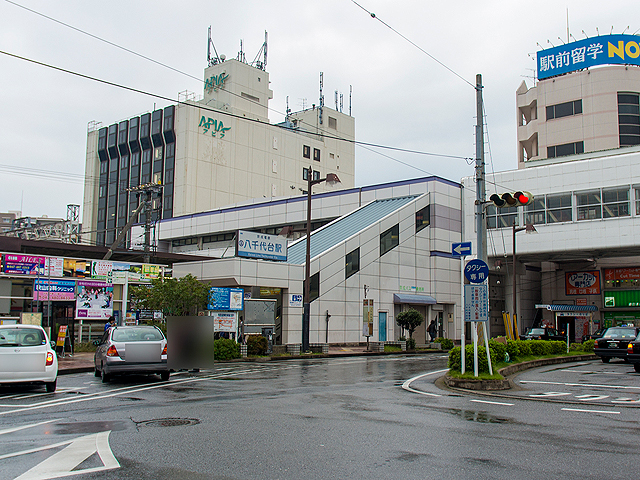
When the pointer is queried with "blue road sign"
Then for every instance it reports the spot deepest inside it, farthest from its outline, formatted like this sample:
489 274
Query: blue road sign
461 249
476 271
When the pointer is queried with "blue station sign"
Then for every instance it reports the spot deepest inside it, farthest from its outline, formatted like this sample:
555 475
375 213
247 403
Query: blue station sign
589 52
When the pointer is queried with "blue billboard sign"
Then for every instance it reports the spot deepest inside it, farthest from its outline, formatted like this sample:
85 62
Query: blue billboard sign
589 52
261 245
225 299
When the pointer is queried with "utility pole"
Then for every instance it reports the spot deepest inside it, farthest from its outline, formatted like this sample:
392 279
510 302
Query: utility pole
481 226
148 190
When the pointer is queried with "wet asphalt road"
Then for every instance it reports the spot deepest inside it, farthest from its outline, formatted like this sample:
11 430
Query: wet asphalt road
325 418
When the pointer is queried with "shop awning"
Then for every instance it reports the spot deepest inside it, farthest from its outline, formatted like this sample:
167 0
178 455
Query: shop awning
413 299
569 308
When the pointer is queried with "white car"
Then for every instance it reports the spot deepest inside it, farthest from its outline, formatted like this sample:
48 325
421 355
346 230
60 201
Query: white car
27 356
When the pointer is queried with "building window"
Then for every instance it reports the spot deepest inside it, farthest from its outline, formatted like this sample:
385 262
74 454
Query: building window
316 175
565 149
333 123
101 215
314 287
389 239
535 212
306 151
637 189
423 218
629 118
352 262
104 167
559 208
102 191
564 109
501 217
157 153
615 203
589 205
135 159
316 154
305 174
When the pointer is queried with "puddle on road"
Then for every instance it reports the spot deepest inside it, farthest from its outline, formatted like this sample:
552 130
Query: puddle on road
87 427
478 417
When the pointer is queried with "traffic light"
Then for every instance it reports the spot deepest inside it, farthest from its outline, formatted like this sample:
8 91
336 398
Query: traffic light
511 199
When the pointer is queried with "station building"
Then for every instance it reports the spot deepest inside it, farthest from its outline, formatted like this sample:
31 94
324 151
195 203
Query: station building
579 155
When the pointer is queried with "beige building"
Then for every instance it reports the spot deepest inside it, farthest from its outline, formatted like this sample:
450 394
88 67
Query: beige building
578 113
212 152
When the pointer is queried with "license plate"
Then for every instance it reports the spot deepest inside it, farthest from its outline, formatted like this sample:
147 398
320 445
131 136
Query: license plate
613 344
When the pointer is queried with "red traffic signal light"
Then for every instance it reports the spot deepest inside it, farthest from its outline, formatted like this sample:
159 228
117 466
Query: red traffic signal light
509 199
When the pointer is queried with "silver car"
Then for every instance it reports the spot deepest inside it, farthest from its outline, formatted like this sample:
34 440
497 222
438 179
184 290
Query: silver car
27 356
131 349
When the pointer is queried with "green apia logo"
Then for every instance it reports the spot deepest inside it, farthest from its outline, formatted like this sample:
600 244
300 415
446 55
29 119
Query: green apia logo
215 82
214 125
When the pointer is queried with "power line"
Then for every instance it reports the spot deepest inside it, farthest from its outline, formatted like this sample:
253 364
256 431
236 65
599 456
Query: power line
374 16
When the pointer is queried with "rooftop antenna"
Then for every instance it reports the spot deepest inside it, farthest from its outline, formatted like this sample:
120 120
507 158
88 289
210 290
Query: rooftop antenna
288 110
341 102
636 32
350 91
241 57
625 30
586 36
574 38
212 60
598 31
336 99
567 25
260 61
541 47
611 31
321 102
561 41
549 42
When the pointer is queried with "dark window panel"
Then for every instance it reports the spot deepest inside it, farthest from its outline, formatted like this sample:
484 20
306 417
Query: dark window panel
134 130
102 144
156 128
145 131
123 134
167 129
629 98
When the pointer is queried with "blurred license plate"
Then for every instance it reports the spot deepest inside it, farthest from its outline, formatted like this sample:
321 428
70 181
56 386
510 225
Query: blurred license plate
613 344
142 352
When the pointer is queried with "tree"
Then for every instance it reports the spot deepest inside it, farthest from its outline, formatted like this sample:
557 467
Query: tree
173 296
409 320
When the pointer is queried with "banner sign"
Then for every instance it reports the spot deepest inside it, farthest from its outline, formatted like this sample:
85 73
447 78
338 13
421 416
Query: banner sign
261 245
76 268
94 300
582 283
23 264
589 52
101 270
225 322
632 273
476 303
367 317
225 299
45 289
62 333
54 267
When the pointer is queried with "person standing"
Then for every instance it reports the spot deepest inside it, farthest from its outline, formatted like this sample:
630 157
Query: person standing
110 323
432 330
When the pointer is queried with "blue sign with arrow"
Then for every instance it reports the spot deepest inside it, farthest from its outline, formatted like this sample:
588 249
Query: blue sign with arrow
476 271
461 249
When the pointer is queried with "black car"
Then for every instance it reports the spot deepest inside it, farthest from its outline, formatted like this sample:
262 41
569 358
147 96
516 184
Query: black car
614 342
542 333
633 353
592 336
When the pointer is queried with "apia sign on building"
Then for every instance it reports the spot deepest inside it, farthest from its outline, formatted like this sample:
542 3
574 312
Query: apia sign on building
589 52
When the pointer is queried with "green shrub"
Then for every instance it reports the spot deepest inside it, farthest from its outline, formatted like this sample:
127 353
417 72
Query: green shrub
84 347
256 345
411 344
588 346
498 348
483 364
512 349
445 343
557 347
575 347
524 346
225 349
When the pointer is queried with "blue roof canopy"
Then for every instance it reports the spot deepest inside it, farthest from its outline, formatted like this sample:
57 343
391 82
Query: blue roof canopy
411 299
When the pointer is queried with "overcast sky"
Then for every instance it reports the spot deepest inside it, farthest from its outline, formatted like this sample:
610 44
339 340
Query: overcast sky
401 97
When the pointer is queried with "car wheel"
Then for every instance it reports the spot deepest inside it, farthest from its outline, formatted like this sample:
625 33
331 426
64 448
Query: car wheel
605 359
105 376
164 376
51 386
636 367
96 372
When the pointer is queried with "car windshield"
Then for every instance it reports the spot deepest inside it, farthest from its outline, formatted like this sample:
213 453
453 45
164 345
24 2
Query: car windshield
620 332
21 337
136 334
536 331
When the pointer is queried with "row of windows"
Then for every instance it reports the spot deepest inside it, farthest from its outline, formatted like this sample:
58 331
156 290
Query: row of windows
565 149
305 174
629 119
306 153
566 207
564 109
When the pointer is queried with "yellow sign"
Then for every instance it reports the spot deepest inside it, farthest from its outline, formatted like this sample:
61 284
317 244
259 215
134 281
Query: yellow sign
62 333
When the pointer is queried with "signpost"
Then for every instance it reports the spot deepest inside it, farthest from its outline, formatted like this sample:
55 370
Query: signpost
476 301
461 249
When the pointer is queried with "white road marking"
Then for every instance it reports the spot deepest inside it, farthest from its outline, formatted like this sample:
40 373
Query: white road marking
63 463
590 411
58 390
23 427
625 400
407 385
493 403
550 394
619 387
590 371
588 398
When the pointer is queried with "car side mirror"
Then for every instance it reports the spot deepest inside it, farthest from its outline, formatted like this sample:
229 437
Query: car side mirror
96 342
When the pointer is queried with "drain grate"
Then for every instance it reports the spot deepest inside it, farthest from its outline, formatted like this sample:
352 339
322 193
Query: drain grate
168 422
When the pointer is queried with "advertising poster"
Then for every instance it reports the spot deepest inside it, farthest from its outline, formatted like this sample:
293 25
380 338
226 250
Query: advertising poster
101 270
94 300
23 264
151 271
224 322
583 283
76 268
54 267
225 299
45 289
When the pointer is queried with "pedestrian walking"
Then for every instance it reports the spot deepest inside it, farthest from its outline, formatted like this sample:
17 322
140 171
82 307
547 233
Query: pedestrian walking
432 330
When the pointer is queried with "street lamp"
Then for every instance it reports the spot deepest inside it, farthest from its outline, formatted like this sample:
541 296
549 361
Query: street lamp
331 179
529 228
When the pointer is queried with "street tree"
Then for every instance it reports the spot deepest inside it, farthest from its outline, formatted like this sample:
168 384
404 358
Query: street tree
173 296
409 320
